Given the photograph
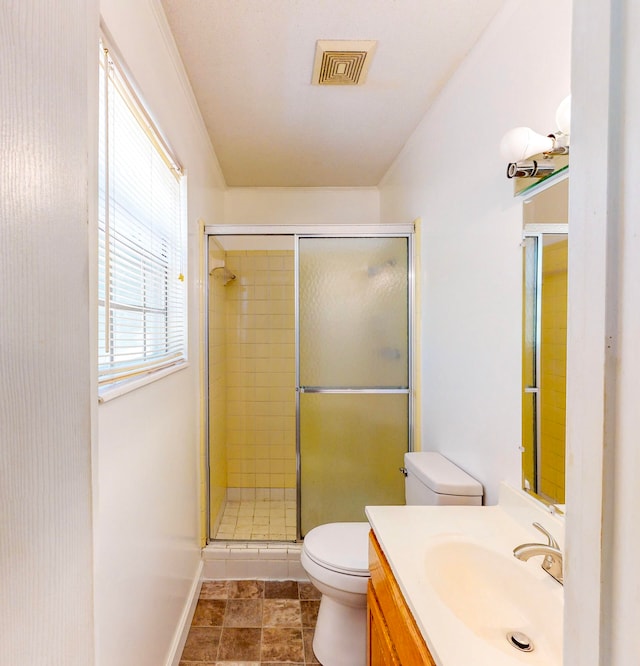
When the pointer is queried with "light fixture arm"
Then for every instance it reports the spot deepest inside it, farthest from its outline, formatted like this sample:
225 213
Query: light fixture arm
530 169
560 144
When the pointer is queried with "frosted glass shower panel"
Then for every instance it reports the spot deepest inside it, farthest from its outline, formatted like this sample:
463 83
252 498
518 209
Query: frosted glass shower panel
353 312
530 341
352 446
529 310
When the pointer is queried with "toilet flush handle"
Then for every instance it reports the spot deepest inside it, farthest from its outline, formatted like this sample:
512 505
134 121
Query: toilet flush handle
404 471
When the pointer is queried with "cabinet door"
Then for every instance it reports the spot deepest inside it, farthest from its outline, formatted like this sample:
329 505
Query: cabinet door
388 608
380 650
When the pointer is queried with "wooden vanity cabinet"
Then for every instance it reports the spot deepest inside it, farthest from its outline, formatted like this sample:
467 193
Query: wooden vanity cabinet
393 637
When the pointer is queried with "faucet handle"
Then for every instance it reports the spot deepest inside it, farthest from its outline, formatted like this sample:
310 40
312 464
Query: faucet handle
552 542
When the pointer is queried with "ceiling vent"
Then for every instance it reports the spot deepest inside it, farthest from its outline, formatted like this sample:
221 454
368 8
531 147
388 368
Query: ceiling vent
342 62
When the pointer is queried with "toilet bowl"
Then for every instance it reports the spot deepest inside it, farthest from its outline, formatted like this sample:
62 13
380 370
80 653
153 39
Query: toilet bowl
335 557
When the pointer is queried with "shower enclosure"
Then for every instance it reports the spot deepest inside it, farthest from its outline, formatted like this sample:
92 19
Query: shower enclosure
309 355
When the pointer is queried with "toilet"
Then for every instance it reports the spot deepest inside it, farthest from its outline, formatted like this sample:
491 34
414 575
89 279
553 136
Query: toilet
335 557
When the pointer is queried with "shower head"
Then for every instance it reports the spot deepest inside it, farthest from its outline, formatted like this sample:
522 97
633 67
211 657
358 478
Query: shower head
226 275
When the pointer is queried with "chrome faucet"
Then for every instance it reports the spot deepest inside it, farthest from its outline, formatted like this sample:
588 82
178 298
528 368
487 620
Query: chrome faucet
552 562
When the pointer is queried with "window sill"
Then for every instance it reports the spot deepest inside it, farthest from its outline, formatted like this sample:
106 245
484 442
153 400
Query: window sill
122 388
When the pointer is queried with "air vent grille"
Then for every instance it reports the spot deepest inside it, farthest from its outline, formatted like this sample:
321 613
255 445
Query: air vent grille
342 63
340 68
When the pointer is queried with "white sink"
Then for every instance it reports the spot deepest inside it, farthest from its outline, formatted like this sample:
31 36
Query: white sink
492 594
465 589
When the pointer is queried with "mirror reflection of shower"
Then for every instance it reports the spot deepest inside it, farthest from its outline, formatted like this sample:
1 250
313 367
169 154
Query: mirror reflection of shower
545 304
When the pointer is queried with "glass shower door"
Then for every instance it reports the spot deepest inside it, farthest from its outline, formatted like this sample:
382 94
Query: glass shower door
353 375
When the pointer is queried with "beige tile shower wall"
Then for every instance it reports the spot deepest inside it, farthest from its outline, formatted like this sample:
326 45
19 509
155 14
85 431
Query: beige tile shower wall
260 331
217 384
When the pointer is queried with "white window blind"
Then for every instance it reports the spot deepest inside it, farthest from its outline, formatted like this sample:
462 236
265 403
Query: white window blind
141 290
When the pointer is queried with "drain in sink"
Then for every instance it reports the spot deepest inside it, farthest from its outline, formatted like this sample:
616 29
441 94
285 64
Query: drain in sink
520 641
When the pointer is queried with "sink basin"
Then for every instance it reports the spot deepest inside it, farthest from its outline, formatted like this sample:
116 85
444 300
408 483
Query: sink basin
492 593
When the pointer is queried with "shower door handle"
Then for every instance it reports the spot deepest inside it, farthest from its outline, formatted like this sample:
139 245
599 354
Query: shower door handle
359 389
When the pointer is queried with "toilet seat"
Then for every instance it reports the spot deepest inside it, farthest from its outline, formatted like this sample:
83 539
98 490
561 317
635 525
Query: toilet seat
339 547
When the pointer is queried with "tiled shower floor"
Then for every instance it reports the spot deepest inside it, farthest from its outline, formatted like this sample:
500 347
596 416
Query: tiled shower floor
253 623
258 519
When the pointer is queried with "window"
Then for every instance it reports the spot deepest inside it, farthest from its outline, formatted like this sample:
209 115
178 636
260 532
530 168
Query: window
141 289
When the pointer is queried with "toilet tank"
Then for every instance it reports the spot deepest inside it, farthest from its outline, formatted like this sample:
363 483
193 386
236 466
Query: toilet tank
432 479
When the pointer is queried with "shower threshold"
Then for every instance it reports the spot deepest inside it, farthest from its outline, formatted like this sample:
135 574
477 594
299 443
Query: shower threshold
238 560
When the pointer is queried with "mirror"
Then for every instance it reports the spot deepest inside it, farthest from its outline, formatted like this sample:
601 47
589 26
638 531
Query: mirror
544 342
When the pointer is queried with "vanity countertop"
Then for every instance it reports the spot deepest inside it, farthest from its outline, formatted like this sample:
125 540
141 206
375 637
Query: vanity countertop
455 567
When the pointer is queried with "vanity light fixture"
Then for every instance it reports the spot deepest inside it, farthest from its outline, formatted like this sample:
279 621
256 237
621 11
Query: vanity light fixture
521 143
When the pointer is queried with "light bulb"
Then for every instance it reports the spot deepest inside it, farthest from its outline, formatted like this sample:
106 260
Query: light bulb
522 142
563 116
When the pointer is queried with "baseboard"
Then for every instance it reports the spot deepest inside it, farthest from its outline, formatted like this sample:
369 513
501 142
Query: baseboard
182 631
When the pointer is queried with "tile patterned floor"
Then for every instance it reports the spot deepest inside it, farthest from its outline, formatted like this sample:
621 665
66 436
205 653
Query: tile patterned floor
258 519
253 623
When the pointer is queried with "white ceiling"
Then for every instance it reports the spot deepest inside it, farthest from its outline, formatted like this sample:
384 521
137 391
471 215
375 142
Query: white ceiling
250 64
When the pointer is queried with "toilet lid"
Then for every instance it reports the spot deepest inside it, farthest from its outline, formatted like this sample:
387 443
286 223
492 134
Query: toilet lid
341 547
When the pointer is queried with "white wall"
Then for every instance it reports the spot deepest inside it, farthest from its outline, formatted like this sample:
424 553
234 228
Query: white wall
450 174
45 358
284 205
146 483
